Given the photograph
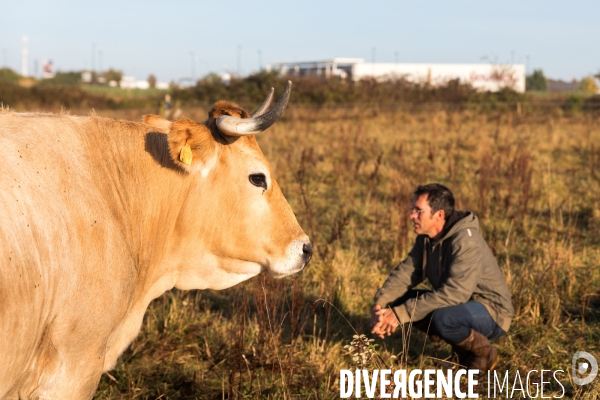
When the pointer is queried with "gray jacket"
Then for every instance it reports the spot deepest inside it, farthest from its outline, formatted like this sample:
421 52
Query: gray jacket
460 268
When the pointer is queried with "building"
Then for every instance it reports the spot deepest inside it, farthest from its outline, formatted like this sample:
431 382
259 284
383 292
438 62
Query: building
562 86
342 67
47 70
129 82
492 77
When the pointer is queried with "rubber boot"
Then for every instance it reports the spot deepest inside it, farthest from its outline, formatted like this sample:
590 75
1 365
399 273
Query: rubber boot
484 356
461 357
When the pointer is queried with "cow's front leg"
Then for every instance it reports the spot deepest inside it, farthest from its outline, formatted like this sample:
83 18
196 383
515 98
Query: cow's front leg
65 367
72 381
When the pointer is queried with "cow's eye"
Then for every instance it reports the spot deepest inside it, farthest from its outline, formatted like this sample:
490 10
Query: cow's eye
258 180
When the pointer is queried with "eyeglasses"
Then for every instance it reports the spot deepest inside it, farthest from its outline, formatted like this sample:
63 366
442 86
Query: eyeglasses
416 210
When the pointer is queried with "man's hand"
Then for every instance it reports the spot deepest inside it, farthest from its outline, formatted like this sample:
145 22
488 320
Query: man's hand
383 321
375 315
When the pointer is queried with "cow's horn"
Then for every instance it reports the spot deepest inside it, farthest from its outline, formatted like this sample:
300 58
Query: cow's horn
264 106
232 126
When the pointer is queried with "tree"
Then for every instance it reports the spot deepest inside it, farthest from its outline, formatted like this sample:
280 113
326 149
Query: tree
588 85
152 81
536 81
112 75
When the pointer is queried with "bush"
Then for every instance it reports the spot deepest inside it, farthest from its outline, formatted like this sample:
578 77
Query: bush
313 90
8 75
49 96
574 103
71 79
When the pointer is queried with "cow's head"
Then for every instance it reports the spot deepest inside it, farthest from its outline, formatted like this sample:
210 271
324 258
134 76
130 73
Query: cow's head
235 221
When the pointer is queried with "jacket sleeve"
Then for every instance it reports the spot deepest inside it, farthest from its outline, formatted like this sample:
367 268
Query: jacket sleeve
408 274
464 272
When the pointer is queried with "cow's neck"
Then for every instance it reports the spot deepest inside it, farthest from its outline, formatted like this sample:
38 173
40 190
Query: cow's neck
144 199
147 196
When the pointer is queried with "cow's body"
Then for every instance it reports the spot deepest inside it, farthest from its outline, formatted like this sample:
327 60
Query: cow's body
96 220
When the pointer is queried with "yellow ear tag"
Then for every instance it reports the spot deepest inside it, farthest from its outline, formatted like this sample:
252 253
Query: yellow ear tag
186 154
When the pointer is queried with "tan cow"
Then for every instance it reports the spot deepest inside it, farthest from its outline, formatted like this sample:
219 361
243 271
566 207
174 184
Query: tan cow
98 217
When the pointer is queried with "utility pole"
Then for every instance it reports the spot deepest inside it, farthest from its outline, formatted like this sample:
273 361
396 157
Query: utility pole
259 60
24 54
100 61
193 66
239 59
373 50
93 57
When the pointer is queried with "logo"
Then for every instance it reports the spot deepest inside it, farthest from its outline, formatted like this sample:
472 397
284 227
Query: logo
582 368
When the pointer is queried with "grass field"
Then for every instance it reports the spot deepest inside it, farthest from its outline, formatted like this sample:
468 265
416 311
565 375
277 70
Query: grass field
533 180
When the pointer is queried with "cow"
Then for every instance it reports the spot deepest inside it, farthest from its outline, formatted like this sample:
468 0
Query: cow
98 217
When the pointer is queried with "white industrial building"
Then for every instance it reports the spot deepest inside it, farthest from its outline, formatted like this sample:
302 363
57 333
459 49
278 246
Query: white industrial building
492 77
129 82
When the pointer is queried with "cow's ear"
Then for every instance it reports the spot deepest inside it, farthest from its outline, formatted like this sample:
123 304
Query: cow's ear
158 122
192 146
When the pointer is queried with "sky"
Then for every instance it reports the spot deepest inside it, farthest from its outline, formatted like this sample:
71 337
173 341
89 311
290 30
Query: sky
175 40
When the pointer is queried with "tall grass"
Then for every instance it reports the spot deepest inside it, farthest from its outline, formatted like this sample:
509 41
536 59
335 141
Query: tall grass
533 180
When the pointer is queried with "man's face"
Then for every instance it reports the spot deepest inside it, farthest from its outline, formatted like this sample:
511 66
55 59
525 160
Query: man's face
424 221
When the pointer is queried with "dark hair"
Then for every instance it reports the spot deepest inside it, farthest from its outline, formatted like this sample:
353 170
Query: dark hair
438 196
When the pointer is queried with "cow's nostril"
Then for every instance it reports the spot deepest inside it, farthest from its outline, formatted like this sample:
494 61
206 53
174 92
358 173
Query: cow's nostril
307 251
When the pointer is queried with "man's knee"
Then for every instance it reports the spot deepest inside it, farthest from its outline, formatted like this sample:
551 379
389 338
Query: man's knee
451 324
444 319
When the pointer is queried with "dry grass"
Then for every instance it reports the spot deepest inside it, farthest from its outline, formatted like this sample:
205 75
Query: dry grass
534 181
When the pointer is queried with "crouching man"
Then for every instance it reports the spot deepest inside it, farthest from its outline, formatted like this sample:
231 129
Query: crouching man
470 302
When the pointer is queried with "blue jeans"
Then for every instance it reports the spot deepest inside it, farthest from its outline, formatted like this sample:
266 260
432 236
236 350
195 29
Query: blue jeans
454 323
